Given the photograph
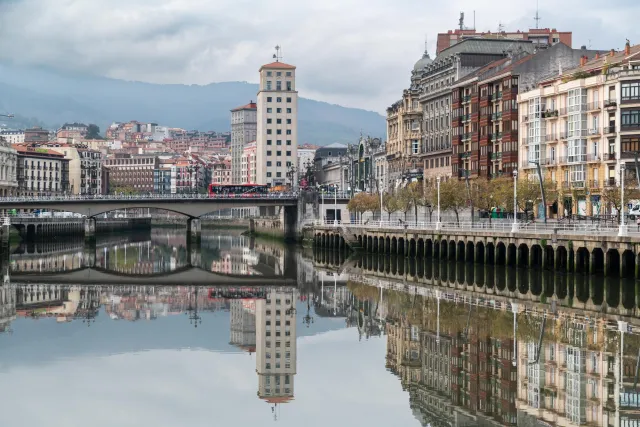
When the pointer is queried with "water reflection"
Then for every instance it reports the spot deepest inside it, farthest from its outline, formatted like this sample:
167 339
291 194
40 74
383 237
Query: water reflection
463 344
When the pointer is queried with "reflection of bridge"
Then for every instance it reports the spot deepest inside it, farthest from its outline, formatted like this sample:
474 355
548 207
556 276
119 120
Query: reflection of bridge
184 276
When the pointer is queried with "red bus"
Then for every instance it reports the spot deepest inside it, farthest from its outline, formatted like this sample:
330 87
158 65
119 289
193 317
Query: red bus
247 190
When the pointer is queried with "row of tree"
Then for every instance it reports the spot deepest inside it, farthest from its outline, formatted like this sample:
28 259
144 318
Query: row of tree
456 195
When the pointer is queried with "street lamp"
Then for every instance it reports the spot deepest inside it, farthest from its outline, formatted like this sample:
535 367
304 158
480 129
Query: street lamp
514 227
438 223
622 231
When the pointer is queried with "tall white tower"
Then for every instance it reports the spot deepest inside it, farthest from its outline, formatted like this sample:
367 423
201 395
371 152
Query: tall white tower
277 135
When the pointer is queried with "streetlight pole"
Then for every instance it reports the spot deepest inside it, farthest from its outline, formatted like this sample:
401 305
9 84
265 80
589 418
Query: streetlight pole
438 223
335 206
380 222
622 231
514 227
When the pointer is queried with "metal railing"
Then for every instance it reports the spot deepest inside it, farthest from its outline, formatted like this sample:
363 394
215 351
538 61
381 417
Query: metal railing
152 196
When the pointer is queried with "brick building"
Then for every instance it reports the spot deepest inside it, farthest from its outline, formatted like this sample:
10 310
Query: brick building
131 172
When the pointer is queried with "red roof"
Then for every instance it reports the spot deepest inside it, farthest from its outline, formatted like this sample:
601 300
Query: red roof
249 106
280 65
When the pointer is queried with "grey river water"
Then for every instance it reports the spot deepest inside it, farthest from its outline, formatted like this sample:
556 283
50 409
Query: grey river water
342 341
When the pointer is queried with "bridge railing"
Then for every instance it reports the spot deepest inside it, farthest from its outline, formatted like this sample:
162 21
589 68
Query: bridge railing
152 196
523 227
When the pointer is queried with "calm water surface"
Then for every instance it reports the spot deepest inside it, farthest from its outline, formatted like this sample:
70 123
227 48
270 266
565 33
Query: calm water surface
370 341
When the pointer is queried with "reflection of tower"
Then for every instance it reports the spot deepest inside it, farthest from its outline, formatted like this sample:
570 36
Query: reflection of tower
89 305
7 306
276 346
192 310
243 324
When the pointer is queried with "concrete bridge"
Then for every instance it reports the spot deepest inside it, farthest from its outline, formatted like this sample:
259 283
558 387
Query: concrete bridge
192 276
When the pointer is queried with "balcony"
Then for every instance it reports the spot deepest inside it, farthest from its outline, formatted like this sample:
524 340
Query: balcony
594 183
550 114
610 182
496 156
465 155
591 106
609 129
562 111
466 137
609 103
496 96
594 158
465 118
610 156
496 116
594 132
630 100
577 184
466 99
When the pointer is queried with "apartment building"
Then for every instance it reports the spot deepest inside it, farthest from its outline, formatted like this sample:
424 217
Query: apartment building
485 109
243 130
41 171
277 129
8 168
36 134
248 164
133 172
12 136
581 125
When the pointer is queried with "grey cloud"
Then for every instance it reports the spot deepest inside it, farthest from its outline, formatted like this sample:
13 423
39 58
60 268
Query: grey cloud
353 52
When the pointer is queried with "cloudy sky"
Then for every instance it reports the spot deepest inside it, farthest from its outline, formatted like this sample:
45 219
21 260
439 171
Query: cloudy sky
352 52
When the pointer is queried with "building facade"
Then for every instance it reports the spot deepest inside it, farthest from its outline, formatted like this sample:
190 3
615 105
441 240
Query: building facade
131 172
41 171
8 169
580 126
248 164
277 129
243 131
13 136
36 134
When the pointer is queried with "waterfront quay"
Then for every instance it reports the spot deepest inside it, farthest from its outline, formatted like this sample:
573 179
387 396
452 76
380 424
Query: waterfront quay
572 249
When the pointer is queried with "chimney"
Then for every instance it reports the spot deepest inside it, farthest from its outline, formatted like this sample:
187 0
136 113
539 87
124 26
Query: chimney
597 55
627 48
613 52
583 60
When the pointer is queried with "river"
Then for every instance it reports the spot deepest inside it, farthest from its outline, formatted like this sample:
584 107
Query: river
178 335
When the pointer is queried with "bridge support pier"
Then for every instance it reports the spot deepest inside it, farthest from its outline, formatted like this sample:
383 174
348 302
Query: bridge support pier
193 241
90 229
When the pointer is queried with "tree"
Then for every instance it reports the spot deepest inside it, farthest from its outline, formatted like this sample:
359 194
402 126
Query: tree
429 200
405 201
93 132
390 204
126 190
612 196
453 196
363 202
528 195
489 194
415 193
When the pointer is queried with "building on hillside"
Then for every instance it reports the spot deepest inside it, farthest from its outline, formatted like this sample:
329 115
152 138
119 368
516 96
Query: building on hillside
541 37
8 169
248 164
12 136
36 134
41 171
277 129
243 131
131 172
580 126
70 132
276 350
221 172
485 109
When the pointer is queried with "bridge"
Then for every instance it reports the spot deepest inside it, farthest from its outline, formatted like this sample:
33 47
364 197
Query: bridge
193 276
190 205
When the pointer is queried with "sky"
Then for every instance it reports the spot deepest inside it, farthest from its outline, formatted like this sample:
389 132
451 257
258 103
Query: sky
356 53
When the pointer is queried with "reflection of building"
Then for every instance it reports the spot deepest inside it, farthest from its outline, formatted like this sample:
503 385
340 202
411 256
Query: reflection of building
276 346
7 306
243 324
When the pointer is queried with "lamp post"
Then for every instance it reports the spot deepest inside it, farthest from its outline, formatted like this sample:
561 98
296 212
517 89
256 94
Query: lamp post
622 231
380 188
514 227
438 223
335 206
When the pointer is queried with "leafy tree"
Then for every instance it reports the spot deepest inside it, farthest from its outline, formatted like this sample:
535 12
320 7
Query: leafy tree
390 204
453 196
528 195
612 196
429 200
93 132
489 194
404 201
363 202
126 190
415 194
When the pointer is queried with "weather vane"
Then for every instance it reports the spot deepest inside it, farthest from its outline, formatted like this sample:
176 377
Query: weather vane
277 56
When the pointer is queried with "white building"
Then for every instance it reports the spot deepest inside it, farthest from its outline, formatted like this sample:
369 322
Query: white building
243 131
13 136
41 171
8 165
276 345
248 164
277 133
306 157
243 324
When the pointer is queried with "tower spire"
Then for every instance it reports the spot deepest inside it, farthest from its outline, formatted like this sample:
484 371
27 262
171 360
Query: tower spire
537 17
278 55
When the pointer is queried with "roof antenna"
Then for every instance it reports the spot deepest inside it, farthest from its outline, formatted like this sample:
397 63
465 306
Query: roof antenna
537 17
461 21
277 56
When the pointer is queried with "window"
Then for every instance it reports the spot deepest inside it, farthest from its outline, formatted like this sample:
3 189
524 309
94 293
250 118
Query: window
278 74
269 132
268 73
288 164
278 99
269 121
269 163
278 110
288 99
269 110
279 131
268 152
279 121
279 174
288 85
288 131
268 84
278 164
630 91
288 153
279 142
268 174
288 110
268 142
278 153
630 119
288 142
288 121
278 85
288 73
268 99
